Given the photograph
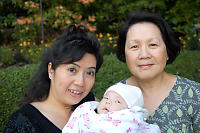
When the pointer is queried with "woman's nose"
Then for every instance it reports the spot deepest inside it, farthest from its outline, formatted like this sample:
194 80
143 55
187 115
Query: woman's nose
144 53
79 79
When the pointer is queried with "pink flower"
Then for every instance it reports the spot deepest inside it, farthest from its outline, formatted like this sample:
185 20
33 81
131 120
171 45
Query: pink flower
128 130
86 117
116 122
71 123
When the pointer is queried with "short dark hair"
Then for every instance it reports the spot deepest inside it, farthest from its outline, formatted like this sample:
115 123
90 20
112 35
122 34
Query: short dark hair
169 37
69 47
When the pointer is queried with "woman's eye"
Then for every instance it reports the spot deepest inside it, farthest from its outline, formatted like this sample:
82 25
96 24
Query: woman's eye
134 46
91 73
71 69
153 44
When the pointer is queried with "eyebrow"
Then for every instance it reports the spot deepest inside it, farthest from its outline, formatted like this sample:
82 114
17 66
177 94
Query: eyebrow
132 41
79 66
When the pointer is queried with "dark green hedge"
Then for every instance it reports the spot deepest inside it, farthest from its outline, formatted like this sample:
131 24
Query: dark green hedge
13 80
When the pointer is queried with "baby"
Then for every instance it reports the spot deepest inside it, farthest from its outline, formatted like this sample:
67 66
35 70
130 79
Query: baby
120 111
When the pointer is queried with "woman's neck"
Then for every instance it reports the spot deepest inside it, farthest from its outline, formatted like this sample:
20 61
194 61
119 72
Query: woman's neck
154 91
152 85
54 111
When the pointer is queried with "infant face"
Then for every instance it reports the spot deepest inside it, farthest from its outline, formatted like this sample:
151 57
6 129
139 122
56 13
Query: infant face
111 101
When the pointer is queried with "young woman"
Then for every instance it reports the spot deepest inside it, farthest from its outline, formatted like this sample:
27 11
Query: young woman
62 82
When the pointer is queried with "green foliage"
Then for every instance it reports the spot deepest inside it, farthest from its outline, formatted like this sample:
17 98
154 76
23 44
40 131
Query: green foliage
112 71
108 43
183 15
55 17
187 65
13 84
31 52
98 15
6 56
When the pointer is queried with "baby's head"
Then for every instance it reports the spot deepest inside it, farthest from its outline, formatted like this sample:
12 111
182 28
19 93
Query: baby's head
120 96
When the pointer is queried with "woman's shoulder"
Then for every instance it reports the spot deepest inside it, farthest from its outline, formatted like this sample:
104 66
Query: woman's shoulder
20 121
186 81
29 119
187 88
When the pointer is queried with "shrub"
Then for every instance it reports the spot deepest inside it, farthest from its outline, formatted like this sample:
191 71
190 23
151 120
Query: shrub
108 43
112 71
6 56
187 65
101 15
13 83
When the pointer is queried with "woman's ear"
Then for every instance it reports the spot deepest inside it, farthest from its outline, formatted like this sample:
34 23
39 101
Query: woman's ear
50 70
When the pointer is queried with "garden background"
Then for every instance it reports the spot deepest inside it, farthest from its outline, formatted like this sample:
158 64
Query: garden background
22 42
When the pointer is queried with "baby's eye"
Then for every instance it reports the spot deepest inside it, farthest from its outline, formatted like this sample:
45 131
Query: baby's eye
91 73
117 101
71 69
105 98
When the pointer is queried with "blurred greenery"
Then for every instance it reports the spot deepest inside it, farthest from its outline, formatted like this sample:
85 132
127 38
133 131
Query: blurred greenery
20 19
14 79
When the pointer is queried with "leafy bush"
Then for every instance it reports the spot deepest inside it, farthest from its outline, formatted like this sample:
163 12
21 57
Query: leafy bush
6 56
112 71
29 52
108 43
187 65
98 15
13 84
191 41
13 80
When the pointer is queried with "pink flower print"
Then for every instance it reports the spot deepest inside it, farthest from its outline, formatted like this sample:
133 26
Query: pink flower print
87 126
86 117
136 122
128 130
122 114
101 131
110 117
132 111
116 122
81 106
71 123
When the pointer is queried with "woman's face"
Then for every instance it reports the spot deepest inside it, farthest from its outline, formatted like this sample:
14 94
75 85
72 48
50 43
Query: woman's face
70 83
111 101
145 51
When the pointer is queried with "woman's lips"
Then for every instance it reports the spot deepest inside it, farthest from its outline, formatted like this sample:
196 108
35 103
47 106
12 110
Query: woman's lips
75 93
145 66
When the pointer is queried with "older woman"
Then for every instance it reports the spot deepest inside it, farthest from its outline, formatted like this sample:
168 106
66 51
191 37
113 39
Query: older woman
63 81
147 44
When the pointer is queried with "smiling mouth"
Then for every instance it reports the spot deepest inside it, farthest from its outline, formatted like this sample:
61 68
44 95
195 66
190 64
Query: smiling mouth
75 93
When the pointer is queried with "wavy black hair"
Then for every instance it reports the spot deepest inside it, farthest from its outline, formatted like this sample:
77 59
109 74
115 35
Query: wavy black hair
169 37
69 47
